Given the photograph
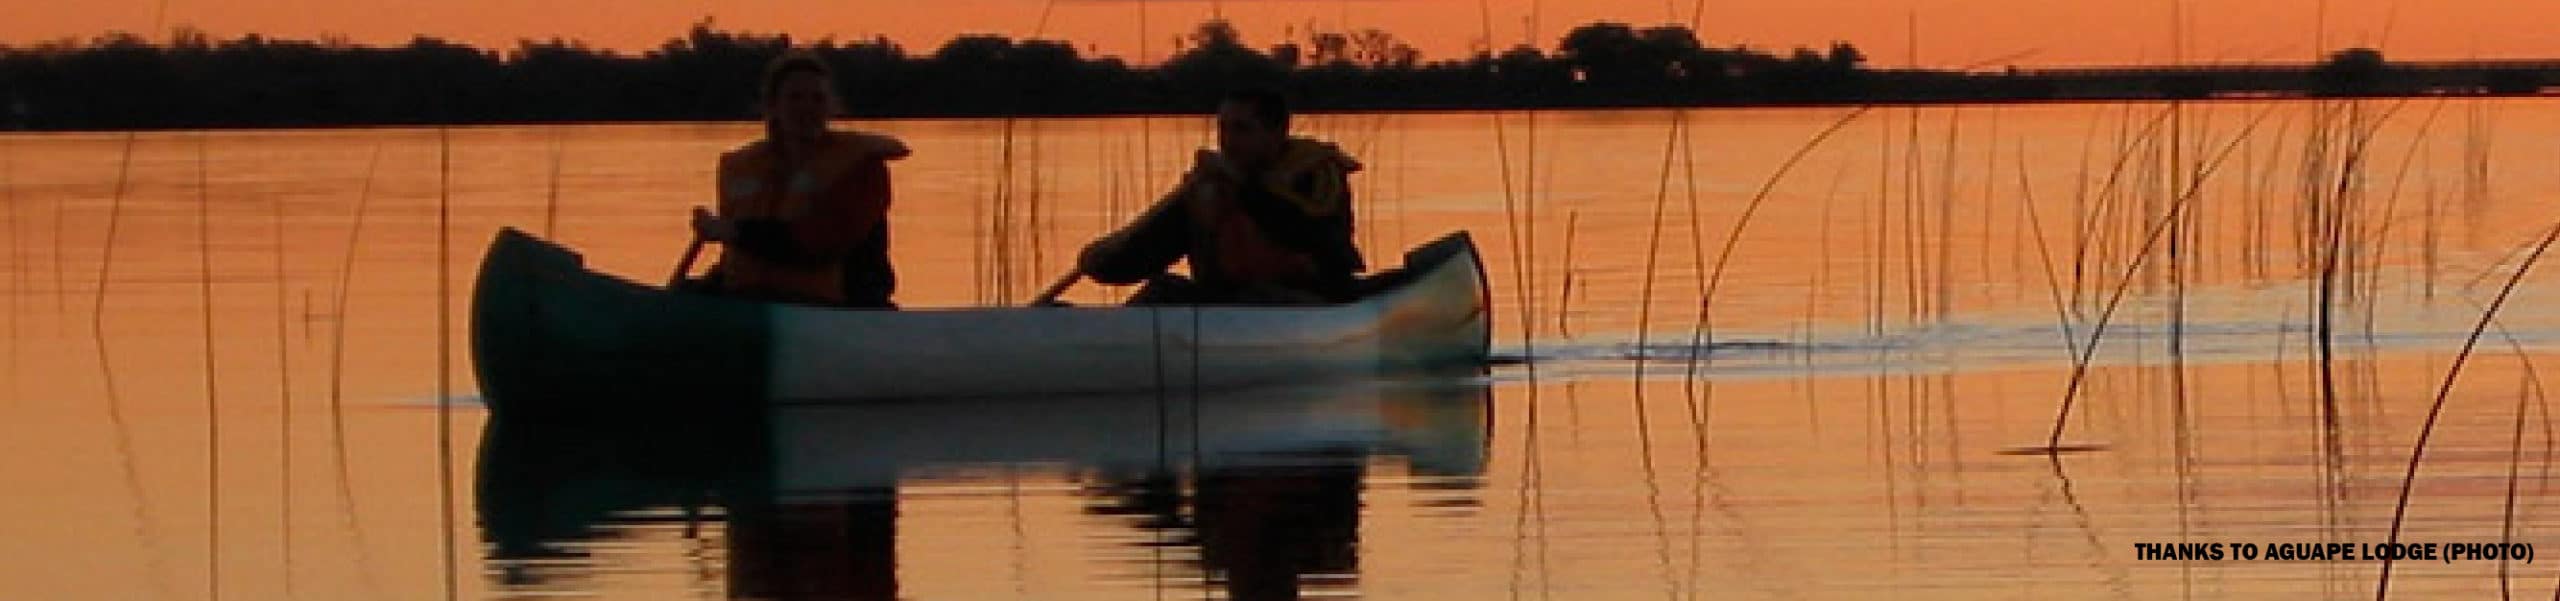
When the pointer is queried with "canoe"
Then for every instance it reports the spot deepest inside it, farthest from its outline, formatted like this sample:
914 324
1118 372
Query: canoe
549 333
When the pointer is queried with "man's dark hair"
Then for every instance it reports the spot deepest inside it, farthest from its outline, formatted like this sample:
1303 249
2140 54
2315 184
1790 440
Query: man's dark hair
789 63
1268 105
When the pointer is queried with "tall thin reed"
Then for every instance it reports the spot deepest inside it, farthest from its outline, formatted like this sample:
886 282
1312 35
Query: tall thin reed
2418 451
2335 263
1653 493
2515 461
978 245
2477 193
1370 185
1699 402
1564 291
1035 220
1733 237
17 258
1403 195
1530 498
2177 206
1511 220
444 356
1697 395
2080 212
1880 244
2053 280
284 402
346 278
107 254
1000 217
1813 300
338 317
1914 222
2262 232
1990 191
61 304
2179 228
551 199
2399 181
1530 198
212 406
2099 243
1947 159
1653 244
2493 267
2529 389
145 523
1915 228
2179 255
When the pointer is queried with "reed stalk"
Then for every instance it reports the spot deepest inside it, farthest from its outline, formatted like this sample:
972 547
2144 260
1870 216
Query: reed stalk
2435 410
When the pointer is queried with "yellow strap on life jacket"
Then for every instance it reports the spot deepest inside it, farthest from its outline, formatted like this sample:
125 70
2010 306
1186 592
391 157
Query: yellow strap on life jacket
1311 176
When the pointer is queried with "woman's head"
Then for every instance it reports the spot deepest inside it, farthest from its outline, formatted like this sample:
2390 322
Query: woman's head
799 95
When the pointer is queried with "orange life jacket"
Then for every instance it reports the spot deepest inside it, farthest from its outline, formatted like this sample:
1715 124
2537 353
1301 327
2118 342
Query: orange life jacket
1287 226
828 203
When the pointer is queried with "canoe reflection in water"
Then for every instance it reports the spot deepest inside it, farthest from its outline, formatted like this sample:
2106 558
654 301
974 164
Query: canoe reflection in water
802 500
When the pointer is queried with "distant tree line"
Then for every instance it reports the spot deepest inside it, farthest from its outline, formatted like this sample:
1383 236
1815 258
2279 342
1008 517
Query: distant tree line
124 81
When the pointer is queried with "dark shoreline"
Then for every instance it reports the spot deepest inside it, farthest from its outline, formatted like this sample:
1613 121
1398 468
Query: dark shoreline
1419 110
121 82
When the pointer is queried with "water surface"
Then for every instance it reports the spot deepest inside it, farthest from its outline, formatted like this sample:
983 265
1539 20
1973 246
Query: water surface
1891 319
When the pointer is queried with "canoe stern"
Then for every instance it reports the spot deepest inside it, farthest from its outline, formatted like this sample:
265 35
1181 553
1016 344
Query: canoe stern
548 333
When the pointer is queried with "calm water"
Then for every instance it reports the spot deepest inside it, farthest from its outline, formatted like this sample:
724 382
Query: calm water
246 403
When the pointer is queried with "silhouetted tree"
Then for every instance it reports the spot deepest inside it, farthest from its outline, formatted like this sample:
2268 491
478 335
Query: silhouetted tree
1602 53
2354 71
1286 54
1845 58
1216 60
1329 49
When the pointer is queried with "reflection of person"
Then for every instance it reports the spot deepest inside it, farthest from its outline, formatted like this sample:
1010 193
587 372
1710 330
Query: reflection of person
804 212
1264 219
553 489
548 493
1264 527
844 550
1259 527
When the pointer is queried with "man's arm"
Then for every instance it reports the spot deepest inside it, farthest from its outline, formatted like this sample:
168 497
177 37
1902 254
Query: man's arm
1146 246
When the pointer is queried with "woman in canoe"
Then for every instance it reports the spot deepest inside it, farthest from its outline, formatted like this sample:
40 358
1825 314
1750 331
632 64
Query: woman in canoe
804 211
1264 219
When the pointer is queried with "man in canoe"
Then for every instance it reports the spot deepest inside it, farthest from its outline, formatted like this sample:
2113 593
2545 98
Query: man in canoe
804 212
1264 219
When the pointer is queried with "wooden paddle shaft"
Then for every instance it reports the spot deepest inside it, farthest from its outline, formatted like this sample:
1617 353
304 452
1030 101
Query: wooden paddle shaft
685 265
1050 294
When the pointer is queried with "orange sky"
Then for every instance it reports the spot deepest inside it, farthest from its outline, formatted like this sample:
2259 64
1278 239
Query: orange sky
1952 32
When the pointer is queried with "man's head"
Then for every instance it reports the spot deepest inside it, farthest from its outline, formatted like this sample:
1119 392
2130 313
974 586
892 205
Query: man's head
1253 126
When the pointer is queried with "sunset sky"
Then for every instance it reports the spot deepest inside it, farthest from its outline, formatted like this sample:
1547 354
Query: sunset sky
1951 32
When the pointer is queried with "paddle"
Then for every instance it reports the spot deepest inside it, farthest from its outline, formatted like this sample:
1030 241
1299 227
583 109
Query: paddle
691 250
1049 296
685 265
